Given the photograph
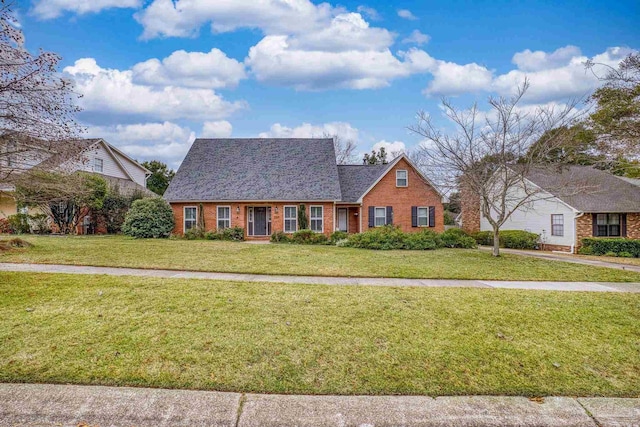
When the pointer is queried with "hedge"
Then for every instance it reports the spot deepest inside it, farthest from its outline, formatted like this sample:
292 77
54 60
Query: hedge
611 246
390 237
513 239
149 218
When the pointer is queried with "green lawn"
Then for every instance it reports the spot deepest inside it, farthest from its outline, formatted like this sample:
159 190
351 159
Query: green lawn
303 260
257 337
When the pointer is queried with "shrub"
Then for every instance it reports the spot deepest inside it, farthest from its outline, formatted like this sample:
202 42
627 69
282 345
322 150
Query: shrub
19 223
625 254
514 239
235 234
611 254
603 246
194 233
391 237
5 227
40 223
212 235
457 238
280 237
149 218
336 236
308 237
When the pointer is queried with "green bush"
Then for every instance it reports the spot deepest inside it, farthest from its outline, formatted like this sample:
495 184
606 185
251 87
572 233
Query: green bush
19 223
611 254
336 236
514 239
391 237
212 235
280 237
308 237
194 233
235 234
457 238
149 218
603 246
625 254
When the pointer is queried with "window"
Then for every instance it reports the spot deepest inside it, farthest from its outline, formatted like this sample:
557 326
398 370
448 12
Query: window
97 164
423 217
290 219
381 217
190 217
224 217
316 219
557 225
402 180
607 225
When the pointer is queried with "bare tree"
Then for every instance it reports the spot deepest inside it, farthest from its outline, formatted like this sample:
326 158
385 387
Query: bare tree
488 155
36 104
345 149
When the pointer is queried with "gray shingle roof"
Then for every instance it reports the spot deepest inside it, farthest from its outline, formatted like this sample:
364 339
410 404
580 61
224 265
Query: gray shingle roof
356 179
254 169
587 189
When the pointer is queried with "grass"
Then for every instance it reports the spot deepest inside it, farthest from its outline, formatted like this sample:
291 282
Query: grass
314 339
118 251
617 260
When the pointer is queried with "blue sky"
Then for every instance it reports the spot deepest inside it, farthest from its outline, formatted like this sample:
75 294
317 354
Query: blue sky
155 74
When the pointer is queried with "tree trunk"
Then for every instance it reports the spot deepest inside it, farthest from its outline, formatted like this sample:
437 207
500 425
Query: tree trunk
496 242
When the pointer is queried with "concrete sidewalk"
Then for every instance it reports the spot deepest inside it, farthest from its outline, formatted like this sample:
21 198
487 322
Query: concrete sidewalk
319 280
68 405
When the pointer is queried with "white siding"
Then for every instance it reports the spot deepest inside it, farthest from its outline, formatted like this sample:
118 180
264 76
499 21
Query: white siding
134 169
536 218
109 165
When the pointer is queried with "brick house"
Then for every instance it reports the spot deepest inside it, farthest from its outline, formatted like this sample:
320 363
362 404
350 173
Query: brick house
574 202
260 185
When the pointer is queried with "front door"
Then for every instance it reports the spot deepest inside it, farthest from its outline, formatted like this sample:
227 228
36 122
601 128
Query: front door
342 219
260 222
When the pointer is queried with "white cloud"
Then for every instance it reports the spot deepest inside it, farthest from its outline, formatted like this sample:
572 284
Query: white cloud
183 18
166 141
393 149
369 12
219 129
113 91
417 37
406 14
539 60
209 70
307 130
50 9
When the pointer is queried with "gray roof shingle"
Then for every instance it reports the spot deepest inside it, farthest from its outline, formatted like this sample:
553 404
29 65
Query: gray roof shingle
257 169
356 179
587 189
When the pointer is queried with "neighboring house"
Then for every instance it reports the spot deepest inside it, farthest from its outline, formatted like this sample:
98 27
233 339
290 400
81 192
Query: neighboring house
573 202
97 156
260 184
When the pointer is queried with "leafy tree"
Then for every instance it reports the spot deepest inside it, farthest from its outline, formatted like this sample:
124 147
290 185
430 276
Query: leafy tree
376 157
149 218
160 177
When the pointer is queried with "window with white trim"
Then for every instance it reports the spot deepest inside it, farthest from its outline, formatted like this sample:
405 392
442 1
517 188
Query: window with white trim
190 217
98 164
316 217
423 216
380 217
402 178
290 219
557 225
224 217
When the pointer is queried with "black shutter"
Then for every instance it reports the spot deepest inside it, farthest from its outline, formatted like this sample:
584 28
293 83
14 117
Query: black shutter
372 216
594 219
414 216
389 215
432 216
623 225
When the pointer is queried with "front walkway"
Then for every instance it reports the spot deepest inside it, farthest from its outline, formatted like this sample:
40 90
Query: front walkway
567 258
319 280
69 405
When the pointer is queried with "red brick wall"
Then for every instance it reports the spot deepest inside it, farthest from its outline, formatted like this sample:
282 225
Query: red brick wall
584 226
239 214
633 225
418 193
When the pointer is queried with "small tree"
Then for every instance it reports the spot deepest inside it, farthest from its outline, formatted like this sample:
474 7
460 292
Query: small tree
149 218
376 157
303 222
489 157
160 178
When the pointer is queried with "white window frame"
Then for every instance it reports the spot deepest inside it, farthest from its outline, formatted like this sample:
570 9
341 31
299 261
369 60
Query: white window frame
406 178
184 218
312 218
95 165
426 209
561 224
228 220
376 216
294 218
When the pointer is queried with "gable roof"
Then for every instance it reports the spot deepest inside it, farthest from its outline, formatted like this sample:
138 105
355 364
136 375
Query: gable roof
257 169
587 189
355 180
